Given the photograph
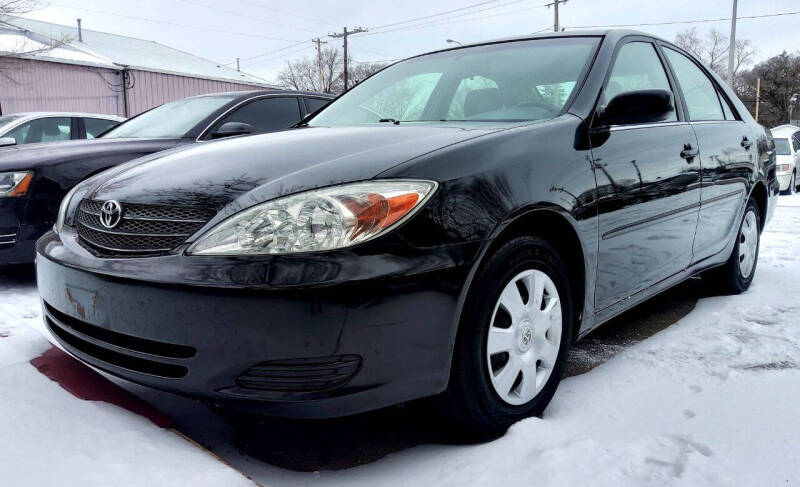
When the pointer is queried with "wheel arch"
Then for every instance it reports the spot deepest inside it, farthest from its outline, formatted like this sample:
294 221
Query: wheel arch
760 195
557 227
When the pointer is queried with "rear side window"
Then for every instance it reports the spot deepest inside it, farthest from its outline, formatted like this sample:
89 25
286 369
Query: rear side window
267 114
699 91
96 126
49 129
637 67
796 139
314 104
727 109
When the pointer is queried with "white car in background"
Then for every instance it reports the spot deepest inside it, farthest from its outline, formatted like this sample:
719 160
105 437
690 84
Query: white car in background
787 148
35 127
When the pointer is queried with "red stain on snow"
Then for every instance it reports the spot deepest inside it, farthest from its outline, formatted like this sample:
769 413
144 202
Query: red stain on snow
84 383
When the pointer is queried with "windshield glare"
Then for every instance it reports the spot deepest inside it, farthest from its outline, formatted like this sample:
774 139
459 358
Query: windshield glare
170 120
511 81
782 147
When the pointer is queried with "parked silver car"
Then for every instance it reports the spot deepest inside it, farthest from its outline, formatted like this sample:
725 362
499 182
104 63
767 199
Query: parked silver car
35 127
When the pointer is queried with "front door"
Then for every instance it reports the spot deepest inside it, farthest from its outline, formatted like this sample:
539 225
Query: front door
648 187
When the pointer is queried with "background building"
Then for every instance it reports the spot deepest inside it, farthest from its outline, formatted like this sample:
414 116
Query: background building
60 68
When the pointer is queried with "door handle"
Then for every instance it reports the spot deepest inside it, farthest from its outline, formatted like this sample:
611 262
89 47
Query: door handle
689 152
746 143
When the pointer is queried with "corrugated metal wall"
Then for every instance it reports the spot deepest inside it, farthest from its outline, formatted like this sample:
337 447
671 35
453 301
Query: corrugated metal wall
152 89
28 85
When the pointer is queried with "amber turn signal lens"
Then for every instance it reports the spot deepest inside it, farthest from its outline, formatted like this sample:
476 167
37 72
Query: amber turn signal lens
22 187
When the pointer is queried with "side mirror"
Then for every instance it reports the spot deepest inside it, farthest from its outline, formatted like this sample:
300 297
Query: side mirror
644 106
229 129
4 141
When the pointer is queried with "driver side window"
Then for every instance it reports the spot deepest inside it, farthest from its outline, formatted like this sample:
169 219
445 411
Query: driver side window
637 67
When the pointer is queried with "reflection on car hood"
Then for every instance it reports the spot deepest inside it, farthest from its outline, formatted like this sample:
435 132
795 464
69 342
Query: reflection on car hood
32 156
258 168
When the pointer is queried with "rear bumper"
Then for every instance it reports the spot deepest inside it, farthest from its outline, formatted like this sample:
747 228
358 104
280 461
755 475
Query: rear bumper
783 180
336 349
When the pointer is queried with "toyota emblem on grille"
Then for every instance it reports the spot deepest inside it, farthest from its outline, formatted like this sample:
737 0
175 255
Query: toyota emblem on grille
110 214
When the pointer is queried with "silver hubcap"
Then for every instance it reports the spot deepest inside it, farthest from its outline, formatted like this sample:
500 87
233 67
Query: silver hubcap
748 244
524 337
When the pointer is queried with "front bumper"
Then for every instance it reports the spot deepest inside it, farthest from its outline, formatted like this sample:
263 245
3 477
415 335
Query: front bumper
204 327
17 241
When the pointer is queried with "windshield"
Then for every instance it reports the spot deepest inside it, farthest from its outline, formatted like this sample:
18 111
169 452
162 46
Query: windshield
9 118
169 120
510 81
782 147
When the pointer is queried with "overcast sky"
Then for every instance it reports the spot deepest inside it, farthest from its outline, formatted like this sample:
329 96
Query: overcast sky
265 37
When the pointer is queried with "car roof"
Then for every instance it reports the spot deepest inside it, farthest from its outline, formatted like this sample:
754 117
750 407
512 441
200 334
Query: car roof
238 95
32 115
613 34
785 129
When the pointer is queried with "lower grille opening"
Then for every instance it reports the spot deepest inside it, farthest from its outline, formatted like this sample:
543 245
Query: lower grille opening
301 375
143 345
117 359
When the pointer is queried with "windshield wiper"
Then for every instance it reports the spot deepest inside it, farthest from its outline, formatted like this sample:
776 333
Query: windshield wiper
389 120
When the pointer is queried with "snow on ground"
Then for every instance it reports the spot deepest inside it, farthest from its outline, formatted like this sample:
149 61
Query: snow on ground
49 437
711 400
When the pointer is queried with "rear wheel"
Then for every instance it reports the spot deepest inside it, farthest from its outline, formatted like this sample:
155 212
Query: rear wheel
513 340
736 275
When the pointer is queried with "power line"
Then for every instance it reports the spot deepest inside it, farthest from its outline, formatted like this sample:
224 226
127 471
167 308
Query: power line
275 9
167 22
444 20
344 35
611 26
296 51
437 14
245 16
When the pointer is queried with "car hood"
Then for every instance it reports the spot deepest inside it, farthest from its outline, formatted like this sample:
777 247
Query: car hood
249 170
32 156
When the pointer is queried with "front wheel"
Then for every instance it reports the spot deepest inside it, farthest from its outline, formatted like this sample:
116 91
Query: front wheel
512 342
736 275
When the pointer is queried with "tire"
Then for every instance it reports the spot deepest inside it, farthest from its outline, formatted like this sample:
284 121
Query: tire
793 183
472 403
735 276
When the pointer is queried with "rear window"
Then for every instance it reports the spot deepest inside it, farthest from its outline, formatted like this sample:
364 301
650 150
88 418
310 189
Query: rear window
782 147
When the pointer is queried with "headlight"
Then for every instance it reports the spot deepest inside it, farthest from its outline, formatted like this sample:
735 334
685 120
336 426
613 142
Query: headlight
783 167
15 183
324 219
62 210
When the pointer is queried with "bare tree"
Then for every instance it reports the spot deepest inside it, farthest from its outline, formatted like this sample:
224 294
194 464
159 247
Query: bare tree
303 74
358 72
712 49
27 44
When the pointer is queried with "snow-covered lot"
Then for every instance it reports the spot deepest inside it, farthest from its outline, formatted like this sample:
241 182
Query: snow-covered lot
713 399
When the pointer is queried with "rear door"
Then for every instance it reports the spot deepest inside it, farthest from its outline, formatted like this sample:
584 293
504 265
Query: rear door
648 193
727 153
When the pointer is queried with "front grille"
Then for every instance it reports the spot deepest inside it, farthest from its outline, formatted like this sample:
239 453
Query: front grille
8 239
301 375
129 352
143 229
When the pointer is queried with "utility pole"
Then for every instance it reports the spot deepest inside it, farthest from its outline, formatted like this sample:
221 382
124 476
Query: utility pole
732 48
237 64
344 35
758 95
556 25
319 43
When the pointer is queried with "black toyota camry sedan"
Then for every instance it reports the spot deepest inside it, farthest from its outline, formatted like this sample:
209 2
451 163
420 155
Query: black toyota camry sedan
446 228
35 177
